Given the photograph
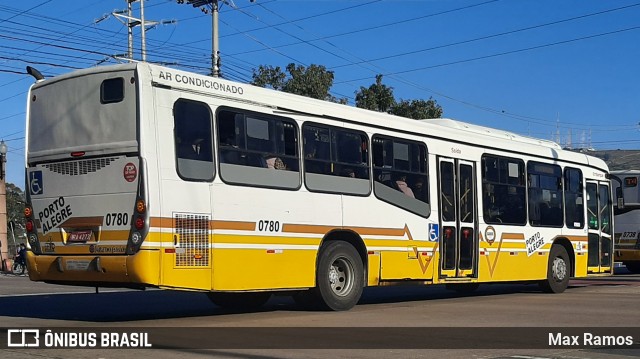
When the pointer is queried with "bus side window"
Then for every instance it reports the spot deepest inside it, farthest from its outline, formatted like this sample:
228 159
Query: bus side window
193 140
574 201
336 159
545 194
503 190
252 145
400 173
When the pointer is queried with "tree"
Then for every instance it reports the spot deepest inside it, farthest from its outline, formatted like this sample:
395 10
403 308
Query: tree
417 109
15 212
377 97
313 81
269 77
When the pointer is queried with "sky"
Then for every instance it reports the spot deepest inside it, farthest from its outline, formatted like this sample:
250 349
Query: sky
565 70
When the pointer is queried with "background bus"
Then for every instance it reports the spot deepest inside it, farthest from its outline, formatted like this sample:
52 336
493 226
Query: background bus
627 220
140 175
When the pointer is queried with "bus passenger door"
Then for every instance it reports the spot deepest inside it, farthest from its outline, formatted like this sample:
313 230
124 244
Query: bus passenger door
459 238
600 255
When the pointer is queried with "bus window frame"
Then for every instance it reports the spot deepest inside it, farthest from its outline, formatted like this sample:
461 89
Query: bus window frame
385 193
486 183
336 179
244 168
211 140
556 169
581 191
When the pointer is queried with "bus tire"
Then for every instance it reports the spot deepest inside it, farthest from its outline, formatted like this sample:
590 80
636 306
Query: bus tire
339 276
558 270
633 267
233 300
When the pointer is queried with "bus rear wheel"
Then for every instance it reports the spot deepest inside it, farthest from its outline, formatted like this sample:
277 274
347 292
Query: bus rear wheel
558 270
339 276
231 300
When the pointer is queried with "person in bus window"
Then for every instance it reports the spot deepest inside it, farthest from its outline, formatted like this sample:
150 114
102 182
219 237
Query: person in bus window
228 152
401 182
420 190
189 149
276 163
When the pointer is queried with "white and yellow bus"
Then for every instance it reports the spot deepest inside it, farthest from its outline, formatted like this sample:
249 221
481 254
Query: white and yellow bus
145 176
627 220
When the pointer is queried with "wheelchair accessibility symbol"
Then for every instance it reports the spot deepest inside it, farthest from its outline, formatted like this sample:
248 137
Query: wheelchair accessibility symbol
35 182
434 232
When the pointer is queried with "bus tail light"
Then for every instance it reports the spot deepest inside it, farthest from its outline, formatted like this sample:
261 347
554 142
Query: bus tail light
139 223
140 219
141 207
33 242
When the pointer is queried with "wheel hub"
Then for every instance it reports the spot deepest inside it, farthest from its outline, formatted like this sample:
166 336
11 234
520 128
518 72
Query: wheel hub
341 277
559 269
333 275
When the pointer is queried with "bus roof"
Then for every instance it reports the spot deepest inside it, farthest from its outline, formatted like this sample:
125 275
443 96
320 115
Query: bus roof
449 129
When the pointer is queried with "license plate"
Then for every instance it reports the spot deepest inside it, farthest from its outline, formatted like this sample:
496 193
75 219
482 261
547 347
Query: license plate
79 236
77 265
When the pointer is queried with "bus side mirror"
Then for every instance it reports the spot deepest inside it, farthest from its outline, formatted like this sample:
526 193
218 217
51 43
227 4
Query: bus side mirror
619 198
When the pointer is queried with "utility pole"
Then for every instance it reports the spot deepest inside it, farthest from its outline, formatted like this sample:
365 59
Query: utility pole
126 17
4 243
213 6
215 47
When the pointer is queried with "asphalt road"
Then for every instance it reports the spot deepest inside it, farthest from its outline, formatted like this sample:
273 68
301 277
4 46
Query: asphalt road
394 321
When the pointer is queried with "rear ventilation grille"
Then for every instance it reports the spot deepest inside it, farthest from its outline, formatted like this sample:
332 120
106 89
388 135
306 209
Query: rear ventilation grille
79 168
192 240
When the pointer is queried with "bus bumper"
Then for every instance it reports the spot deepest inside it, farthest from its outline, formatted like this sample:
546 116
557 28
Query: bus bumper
136 270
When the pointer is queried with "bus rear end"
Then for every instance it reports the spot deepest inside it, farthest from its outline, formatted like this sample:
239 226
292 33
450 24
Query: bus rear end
86 214
627 220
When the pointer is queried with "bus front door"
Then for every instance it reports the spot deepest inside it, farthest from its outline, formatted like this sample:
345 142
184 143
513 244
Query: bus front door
600 223
459 237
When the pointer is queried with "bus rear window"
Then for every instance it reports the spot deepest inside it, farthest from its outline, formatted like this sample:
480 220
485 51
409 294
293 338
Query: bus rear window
112 90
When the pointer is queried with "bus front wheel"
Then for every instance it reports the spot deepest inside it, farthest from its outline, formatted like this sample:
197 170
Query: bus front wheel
339 276
558 270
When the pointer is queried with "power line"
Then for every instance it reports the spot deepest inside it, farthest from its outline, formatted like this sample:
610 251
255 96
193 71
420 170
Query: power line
492 36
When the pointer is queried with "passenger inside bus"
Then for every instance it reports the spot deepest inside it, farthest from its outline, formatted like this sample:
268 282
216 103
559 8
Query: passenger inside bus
420 190
193 150
401 182
228 152
273 162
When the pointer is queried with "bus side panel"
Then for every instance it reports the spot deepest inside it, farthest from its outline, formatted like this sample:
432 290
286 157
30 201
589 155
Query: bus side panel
398 237
182 221
260 244
503 254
